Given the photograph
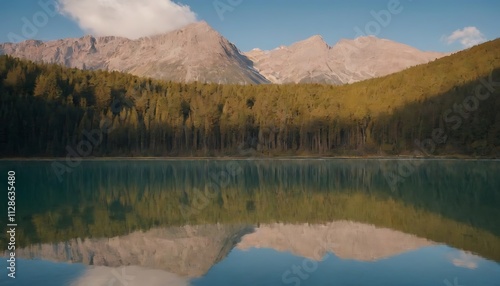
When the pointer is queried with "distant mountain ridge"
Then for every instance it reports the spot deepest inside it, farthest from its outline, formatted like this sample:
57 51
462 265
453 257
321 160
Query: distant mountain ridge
347 239
314 61
199 53
191 251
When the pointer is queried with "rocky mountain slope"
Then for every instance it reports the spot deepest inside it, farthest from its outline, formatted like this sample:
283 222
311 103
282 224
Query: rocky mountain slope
199 53
313 60
194 53
348 240
129 276
186 251
191 251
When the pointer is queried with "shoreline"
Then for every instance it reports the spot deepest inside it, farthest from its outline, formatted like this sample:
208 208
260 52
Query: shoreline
261 158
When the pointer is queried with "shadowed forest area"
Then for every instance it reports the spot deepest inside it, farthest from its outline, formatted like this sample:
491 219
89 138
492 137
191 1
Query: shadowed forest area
47 110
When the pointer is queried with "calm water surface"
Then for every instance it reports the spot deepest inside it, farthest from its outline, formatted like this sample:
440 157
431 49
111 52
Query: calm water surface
255 222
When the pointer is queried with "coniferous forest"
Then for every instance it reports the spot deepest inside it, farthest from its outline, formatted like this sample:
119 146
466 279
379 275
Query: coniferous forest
447 107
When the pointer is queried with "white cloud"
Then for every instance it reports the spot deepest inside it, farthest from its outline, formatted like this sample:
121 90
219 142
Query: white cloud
127 18
468 37
465 260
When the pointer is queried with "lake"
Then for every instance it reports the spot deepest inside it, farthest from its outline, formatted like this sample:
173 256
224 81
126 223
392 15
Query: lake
255 222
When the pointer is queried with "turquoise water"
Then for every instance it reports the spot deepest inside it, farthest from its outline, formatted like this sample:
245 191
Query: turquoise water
256 222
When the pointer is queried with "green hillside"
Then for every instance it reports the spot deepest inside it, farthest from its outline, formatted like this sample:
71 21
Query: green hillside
48 109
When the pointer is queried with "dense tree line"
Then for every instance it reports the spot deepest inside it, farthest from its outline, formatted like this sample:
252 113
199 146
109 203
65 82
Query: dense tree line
47 110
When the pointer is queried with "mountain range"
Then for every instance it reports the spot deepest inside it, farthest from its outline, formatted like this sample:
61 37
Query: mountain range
191 251
197 52
314 61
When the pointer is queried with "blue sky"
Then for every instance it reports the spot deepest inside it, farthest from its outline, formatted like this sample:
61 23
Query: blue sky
264 24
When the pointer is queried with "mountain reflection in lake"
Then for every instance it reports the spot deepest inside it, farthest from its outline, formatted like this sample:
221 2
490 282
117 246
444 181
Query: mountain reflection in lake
257 222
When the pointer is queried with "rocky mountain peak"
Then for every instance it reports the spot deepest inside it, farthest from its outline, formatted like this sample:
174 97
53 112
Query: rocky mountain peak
316 39
314 42
196 52
198 29
200 25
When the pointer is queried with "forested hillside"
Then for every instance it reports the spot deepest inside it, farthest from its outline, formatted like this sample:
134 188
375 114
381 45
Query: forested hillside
450 104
